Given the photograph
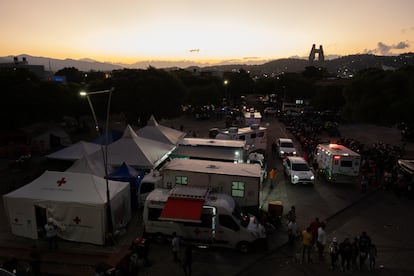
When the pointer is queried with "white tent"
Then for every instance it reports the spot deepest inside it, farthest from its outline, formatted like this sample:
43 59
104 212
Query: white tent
75 151
136 151
163 134
76 201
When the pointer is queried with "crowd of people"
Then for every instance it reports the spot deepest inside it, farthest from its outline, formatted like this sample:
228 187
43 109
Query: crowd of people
351 254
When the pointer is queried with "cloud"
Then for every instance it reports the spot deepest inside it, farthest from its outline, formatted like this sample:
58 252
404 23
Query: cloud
384 49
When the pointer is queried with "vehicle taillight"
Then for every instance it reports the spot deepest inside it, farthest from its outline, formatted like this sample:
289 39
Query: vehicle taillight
337 157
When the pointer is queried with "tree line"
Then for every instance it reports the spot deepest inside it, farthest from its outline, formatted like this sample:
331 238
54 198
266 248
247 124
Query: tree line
372 95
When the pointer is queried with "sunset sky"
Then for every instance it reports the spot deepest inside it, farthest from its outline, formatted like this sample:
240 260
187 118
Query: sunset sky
133 30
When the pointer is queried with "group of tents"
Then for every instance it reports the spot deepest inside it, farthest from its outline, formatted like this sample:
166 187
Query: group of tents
76 199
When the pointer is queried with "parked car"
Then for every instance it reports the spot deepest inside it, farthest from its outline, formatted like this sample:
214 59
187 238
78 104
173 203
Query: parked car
285 147
298 170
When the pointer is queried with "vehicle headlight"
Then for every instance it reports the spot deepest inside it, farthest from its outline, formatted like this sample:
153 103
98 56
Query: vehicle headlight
282 152
312 177
295 177
294 153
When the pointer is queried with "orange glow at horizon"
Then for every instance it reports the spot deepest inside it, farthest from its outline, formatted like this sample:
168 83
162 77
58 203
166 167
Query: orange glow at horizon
130 31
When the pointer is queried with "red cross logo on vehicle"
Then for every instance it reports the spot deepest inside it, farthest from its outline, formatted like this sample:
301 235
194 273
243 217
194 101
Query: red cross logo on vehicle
61 181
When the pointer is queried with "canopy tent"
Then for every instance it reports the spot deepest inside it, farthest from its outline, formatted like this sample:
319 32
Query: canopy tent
160 133
75 151
90 166
124 173
76 202
136 151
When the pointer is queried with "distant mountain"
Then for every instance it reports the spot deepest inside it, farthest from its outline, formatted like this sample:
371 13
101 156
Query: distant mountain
346 65
52 64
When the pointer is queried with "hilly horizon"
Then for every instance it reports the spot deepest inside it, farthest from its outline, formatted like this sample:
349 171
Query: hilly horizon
333 64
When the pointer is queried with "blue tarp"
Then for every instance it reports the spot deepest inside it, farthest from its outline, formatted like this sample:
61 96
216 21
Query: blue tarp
125 173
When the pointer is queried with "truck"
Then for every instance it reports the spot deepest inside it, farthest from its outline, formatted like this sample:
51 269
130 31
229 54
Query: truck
200 216
254 135
242 181
337 162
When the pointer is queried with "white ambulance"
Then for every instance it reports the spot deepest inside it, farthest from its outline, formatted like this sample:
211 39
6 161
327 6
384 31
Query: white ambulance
337 162
204 218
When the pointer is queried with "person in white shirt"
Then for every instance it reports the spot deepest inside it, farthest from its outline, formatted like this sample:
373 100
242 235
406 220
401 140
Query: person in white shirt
321 240
51 234
292 229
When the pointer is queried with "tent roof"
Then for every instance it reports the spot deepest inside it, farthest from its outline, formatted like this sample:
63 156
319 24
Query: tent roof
90 166
124 173
75 151
68 187
160 133
136 151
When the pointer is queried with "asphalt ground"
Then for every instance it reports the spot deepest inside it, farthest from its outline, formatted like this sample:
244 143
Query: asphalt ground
80 259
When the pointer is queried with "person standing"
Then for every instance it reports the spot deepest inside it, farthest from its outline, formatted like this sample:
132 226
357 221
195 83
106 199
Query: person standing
51 234
272 176
291 215
307 244
345 249
321 240
364 245
188 259
175 243
334 251
372 255
314 226
292 229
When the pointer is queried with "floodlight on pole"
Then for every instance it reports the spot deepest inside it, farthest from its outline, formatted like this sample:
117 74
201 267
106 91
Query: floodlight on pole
104 151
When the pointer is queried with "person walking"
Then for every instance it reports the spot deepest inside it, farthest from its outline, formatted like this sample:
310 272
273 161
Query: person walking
175 244
321 240
307 244
51 234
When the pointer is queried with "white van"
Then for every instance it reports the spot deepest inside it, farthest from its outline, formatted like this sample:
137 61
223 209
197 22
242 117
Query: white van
150 182
202 217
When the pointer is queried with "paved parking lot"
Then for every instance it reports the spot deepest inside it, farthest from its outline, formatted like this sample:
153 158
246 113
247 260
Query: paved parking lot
325 202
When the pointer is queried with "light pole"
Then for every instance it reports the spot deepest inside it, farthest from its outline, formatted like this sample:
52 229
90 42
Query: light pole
226 82
104 151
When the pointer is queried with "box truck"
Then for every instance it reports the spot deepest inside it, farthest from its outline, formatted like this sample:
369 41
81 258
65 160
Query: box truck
199 216
337 162
241 181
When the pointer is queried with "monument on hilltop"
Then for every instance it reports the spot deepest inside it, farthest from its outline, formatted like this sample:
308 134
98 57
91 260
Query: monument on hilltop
315 51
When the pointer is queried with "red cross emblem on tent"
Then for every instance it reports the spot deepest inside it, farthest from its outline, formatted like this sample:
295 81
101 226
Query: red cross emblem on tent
77 220
61 181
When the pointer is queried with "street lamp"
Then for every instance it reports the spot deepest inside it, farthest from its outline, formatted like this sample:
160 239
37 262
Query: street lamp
226 82
104 151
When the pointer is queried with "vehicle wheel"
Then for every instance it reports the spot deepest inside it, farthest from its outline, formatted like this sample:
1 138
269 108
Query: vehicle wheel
244 247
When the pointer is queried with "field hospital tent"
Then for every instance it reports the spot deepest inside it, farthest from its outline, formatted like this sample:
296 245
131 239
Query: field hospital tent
138 152
75 201
75 151
157 132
